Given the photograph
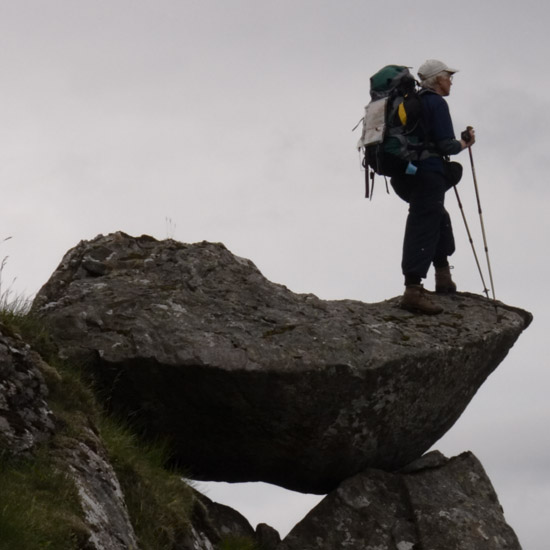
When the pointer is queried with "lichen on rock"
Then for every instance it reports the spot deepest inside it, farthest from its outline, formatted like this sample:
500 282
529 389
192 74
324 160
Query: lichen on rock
25 417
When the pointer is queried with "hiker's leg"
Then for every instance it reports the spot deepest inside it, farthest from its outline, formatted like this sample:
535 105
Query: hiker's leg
402 185
424 224
445 247
446 242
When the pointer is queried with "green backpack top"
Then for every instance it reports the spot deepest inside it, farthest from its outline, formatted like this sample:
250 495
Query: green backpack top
390 139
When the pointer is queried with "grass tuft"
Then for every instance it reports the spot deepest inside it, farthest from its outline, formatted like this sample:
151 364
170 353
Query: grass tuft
159 500
39 506
10 301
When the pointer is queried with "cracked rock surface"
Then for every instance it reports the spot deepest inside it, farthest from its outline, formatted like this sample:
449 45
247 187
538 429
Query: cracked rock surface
252 382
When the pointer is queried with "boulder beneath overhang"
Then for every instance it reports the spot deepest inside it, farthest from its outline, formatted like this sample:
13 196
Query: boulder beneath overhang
434 503
252 382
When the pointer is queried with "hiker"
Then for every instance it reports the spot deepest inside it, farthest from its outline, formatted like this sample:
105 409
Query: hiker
428 232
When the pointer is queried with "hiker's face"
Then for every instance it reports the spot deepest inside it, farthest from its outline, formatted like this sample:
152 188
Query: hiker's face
445 81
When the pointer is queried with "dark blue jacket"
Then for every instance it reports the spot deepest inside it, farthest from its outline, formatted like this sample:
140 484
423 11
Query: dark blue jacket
438 126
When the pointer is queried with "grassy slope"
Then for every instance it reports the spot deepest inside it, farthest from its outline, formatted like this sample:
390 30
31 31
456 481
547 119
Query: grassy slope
39 505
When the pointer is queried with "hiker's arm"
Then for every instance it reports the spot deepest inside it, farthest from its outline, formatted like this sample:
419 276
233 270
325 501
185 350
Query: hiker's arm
451 146
443 134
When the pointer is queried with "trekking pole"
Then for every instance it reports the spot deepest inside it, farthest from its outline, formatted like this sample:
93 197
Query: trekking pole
485 289
481 221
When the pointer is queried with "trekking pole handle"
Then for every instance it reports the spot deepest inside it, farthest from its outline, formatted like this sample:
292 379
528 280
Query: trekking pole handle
466 135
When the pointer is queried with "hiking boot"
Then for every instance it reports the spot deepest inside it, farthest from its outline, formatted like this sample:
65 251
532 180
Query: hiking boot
444 284
416 299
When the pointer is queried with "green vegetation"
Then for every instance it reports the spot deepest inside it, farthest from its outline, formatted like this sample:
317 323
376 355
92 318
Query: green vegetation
238 543
159 501
9 301
39 504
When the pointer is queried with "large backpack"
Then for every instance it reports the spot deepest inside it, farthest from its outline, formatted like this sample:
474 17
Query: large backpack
392 125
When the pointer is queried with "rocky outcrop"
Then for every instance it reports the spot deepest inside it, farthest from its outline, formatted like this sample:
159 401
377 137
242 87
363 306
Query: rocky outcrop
26 421
435 503
213 522
253 382
267 537
25 417
27 424
101 497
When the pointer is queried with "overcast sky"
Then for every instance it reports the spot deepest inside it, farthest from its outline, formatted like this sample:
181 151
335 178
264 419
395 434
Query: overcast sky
230 120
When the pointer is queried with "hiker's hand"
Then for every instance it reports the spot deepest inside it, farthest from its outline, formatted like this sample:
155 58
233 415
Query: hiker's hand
468 137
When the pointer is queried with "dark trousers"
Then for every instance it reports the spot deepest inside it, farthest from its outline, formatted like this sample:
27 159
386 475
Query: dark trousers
428 232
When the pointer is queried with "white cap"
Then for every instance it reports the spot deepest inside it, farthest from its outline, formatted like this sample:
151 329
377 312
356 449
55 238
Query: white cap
433 67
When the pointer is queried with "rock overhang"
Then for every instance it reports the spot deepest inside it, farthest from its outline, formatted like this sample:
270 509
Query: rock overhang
253 382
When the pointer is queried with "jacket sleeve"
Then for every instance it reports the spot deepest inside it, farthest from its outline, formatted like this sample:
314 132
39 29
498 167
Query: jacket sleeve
448 147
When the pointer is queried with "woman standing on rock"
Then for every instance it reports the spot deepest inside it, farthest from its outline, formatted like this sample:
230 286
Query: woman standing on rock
428 234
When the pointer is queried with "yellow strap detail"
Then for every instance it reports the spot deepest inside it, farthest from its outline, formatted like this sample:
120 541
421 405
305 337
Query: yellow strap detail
402 114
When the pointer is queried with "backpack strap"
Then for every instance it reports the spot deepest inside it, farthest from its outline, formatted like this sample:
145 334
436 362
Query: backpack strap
369 175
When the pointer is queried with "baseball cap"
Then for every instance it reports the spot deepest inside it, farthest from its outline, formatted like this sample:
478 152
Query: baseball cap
433 67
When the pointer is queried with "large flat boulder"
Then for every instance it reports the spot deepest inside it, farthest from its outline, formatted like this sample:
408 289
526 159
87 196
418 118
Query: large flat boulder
251 381
437 503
